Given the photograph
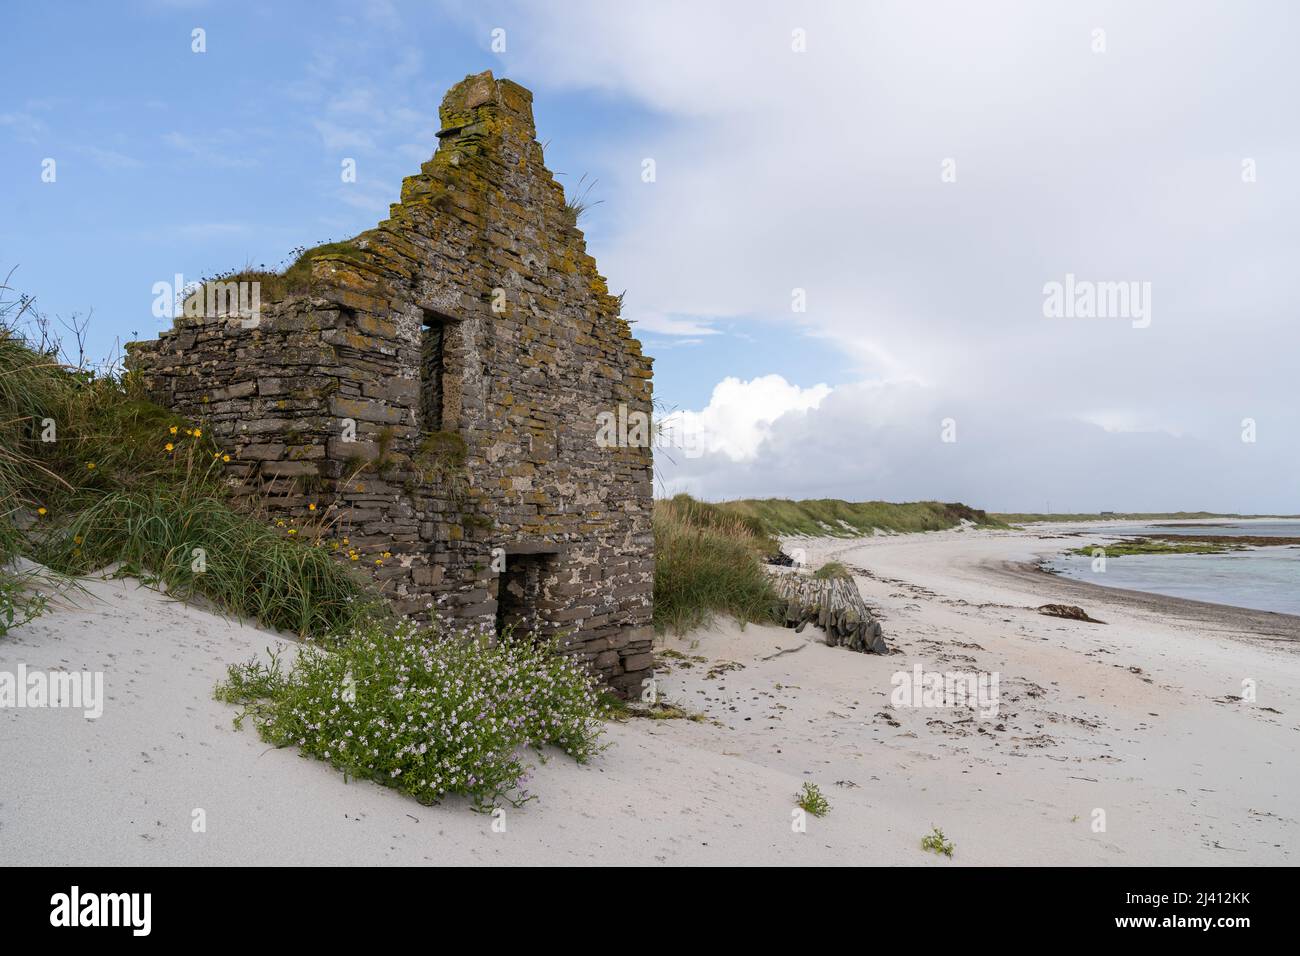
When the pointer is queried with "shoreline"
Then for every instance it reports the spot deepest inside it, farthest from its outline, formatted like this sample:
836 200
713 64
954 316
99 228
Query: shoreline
1269 625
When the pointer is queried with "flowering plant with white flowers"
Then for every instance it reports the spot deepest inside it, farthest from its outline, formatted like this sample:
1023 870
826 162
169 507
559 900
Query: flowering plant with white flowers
424 711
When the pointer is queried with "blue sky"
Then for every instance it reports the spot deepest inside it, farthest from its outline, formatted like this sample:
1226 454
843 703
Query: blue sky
798 147
174 161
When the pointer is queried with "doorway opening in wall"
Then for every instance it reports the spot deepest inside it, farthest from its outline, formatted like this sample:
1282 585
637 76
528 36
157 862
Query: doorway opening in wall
433 370
521 590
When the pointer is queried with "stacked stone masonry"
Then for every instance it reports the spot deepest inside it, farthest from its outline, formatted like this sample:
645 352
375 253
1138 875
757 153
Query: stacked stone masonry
436 389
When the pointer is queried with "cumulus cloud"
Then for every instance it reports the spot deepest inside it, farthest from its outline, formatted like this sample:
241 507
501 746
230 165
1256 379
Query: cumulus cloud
739 415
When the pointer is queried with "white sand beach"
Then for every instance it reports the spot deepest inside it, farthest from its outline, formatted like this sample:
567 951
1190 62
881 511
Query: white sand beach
1136 717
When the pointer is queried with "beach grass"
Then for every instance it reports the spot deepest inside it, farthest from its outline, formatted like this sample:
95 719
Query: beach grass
708 562
93 473
832 570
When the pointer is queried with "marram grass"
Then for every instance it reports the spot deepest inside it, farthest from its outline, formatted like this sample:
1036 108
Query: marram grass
92 473
198 545
708 563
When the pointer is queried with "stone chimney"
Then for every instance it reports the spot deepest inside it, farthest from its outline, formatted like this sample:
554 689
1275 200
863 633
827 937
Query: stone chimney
481 104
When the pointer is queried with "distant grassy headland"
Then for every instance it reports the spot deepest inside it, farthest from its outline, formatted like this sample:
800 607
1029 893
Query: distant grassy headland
1027 518
821 517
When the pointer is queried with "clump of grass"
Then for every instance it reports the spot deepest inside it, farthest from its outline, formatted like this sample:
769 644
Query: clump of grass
293 279
811 800
440 460
196 544
425 712
936 842
580 203
831 570
707 563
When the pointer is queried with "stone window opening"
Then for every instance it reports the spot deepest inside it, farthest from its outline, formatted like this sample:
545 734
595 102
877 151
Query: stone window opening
433 371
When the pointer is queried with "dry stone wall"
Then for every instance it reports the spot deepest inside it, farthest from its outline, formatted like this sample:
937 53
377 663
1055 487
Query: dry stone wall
437 386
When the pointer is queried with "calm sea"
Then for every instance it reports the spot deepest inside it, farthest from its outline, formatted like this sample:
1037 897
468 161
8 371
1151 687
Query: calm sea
1265 578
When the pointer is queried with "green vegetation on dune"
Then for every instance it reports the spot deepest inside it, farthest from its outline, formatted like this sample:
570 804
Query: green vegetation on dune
424 711
195 544
709 555
833 517
708 562
92 473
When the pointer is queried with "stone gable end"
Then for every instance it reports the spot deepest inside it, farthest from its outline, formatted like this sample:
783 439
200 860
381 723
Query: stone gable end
436 386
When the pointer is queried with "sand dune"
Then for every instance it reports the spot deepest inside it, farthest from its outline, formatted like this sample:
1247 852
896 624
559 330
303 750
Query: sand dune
1134 717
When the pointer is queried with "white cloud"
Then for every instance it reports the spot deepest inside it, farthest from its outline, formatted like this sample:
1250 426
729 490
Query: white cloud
885 441
739 415
671 325
822 171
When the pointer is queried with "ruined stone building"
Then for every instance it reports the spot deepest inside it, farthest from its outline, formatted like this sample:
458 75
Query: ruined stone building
436 386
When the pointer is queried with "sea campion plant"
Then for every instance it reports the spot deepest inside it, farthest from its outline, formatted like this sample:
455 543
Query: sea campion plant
425 711
17 606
